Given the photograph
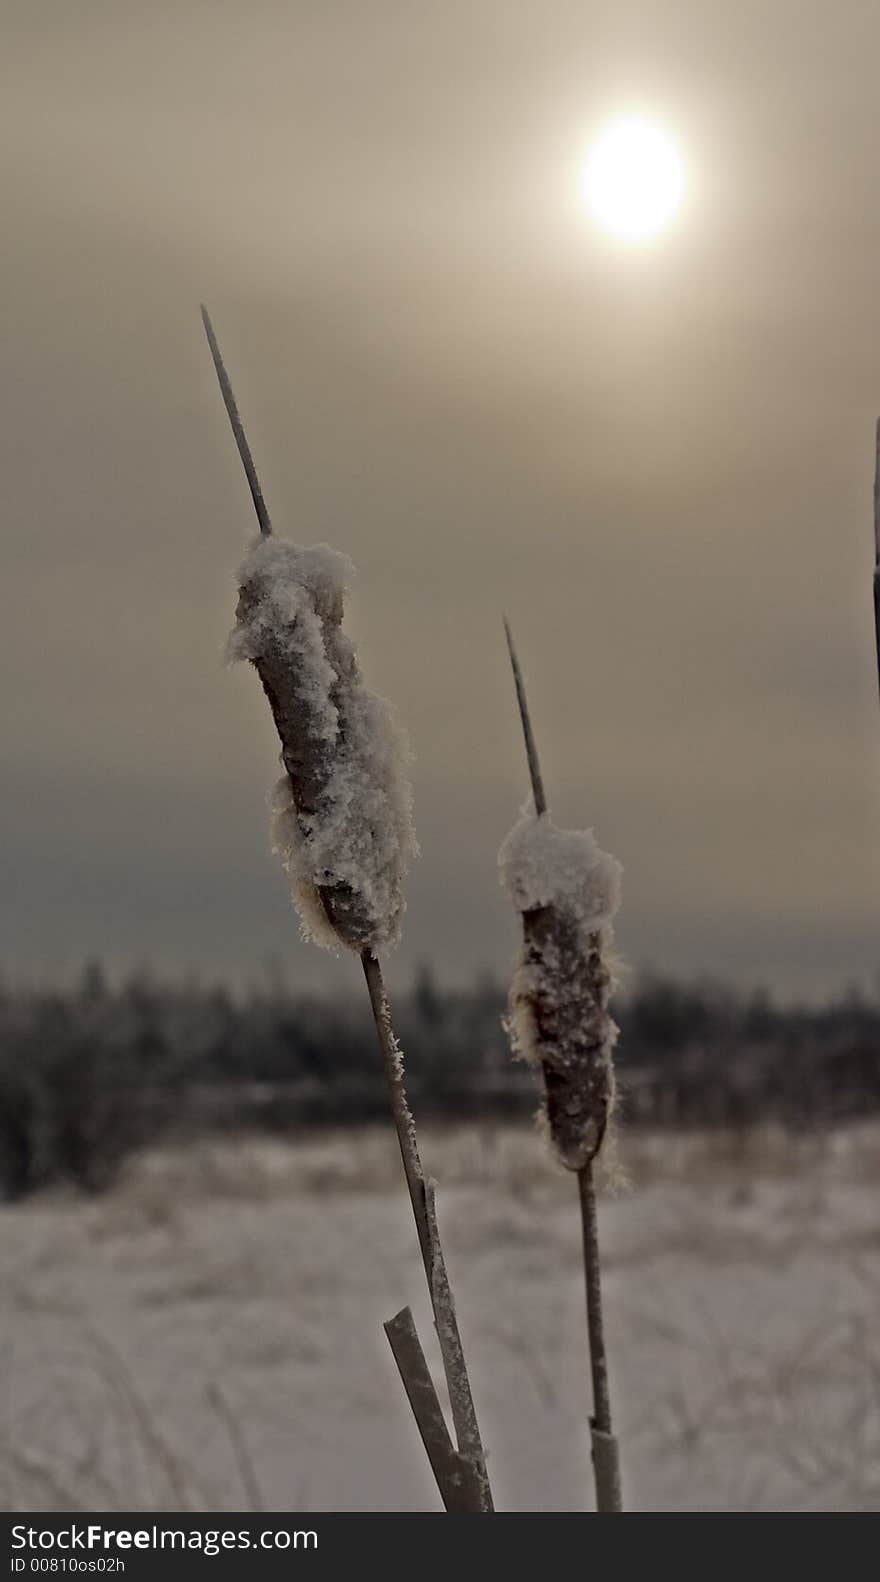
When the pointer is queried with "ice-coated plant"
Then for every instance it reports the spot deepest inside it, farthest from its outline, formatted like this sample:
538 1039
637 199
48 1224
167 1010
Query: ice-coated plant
566 891
877 543
342 823
343 828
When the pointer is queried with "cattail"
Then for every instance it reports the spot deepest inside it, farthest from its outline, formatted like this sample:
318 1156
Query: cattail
343 809
567 890
343 828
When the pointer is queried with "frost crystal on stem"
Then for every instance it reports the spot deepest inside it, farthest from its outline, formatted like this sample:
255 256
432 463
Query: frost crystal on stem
342 821
567 891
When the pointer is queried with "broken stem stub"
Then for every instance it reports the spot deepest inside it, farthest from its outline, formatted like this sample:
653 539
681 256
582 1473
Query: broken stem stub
458 1489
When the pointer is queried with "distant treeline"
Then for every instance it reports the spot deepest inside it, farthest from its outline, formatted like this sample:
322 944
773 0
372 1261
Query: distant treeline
89 1074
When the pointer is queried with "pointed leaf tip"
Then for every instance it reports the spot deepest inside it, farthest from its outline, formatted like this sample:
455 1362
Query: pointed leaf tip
237 426
535 775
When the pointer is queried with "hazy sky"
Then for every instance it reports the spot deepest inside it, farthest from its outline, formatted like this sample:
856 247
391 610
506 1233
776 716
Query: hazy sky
657 460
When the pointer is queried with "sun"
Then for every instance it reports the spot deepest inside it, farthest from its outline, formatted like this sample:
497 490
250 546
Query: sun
634 179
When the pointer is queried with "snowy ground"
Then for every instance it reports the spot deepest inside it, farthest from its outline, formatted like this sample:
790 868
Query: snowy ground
209 1335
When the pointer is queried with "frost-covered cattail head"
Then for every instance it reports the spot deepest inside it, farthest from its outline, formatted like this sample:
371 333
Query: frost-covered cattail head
343 809
567 892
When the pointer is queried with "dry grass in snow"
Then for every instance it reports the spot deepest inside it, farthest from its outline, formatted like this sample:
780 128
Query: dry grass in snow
210 1335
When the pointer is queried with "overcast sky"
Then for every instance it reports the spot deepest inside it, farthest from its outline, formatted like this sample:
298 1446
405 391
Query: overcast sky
658 460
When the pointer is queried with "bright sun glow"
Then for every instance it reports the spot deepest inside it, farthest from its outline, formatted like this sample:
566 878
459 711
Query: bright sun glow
634 179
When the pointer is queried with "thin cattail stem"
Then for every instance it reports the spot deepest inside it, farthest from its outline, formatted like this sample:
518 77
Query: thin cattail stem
400 1110
244 449
605 1456
606 1460
422 1199
601 1402
877 546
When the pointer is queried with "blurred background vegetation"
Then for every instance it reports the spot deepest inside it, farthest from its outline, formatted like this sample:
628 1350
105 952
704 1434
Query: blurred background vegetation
91 1073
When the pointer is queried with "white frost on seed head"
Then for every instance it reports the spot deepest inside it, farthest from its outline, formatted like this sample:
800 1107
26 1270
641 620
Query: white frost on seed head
361 834
542 865
295 585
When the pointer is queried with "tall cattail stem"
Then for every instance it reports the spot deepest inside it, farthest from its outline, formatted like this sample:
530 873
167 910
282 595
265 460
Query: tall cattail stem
475 1491
604 1448
400 1110
877 546
606 1458
534 762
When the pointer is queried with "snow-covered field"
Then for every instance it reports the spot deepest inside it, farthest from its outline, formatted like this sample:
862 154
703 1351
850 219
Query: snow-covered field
209 1335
